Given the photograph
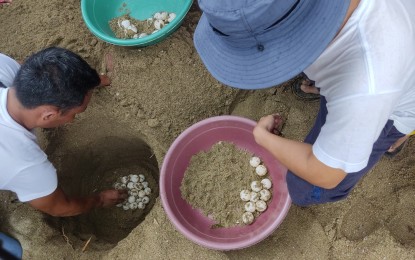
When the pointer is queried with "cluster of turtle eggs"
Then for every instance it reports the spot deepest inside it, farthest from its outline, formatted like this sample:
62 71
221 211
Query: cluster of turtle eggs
138 191
256 199
158 20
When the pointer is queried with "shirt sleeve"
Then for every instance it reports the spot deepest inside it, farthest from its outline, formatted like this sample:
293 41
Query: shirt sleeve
34 182
352 127
8 70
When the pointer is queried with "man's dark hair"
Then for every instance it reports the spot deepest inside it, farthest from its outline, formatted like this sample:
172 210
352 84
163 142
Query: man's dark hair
54 76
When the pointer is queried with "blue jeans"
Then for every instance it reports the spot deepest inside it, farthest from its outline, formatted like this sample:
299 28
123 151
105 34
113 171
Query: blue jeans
10 248
304 194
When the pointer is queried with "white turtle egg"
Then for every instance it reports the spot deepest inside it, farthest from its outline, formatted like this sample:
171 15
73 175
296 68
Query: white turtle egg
157 16
133 205
119 205
260 206
245 195
265 195
126 206
130 185
261 170
256 186
126 24
158 24
124 179
134 178
250 206
138 186
248 218
138 199
254 161
131 199
123 186
135 36
147 191
141 177
254 196
141 193
142 35
117 186
133 192
141 205
145 184
145 200
171 17
164 15
132 28
266 183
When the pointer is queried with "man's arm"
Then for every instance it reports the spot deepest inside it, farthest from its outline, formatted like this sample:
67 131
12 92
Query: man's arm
58 204
296 156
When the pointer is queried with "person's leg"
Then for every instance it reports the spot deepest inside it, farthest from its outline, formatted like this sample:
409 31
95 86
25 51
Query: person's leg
303 193
10 248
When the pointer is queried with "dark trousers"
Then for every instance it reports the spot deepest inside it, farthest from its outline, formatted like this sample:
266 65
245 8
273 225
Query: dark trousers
303 193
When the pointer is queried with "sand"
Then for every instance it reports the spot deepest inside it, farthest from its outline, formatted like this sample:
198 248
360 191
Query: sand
157 92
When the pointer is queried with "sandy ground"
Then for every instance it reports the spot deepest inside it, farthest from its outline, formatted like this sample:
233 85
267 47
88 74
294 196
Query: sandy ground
158 92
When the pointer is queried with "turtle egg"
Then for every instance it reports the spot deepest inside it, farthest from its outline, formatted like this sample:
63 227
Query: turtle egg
141 193
254 196
171 17
265 195
266 183
261 170
245 195
260 205
158 24
145 200
142 35
255 161
141 205
138 186
119 205
124 179
126 24
133 192
164 15
131 199
256 186
147 191
250 206
145 184
248 218
130 185
123 186
157 16
133 205
134 178
125 206
141 177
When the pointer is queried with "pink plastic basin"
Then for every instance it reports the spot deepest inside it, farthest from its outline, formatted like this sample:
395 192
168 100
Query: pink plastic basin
191 222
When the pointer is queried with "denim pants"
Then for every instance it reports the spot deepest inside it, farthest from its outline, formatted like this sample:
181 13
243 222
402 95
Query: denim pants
10 248
303 193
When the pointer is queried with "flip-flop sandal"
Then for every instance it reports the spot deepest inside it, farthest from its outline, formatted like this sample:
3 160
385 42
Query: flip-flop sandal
296 89
397 150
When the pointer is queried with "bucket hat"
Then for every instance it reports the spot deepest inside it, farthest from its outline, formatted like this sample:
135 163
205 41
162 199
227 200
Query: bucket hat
254 44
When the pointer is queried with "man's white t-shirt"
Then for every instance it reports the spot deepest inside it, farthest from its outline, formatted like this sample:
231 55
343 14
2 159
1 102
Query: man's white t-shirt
24 167
367 76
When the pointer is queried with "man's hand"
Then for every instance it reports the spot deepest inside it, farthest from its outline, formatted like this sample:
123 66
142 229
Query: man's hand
105 80
109 198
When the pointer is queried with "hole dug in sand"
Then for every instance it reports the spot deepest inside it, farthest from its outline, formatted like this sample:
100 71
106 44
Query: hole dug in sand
95 167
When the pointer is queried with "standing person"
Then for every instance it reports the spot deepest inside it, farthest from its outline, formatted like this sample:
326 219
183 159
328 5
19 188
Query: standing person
359 53
48 90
